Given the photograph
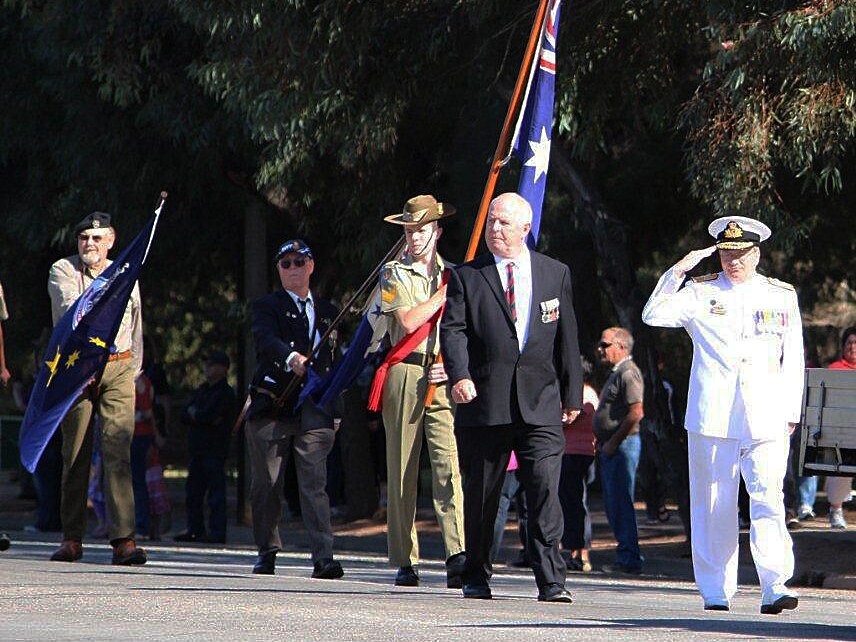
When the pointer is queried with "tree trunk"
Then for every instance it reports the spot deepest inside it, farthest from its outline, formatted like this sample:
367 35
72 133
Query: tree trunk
618 280
255 285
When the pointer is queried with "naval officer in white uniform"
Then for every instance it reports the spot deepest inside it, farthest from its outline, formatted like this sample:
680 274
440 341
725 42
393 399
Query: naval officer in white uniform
744 399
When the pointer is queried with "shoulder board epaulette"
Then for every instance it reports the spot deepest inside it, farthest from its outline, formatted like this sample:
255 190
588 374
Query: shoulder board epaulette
705 277
780 284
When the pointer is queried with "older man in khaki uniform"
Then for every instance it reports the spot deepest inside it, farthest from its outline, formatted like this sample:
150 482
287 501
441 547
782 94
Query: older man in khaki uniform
111 396
411 294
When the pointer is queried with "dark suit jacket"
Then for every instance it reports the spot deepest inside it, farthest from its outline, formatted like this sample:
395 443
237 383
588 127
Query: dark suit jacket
278 331
479 342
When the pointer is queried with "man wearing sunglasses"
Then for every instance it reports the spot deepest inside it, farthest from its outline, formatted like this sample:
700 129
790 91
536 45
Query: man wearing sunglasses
745 397
616 428
111 397
287 327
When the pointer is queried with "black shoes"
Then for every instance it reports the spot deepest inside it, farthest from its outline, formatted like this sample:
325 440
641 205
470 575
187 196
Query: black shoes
619 569
477 591
785 602
555 593
265 564
455 570
407 576
327 569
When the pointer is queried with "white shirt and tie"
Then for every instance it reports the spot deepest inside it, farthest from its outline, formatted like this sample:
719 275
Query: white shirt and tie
522 269
307 305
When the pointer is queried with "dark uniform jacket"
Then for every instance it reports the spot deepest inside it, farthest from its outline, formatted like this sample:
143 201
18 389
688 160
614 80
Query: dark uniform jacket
479 342
211 424
279 330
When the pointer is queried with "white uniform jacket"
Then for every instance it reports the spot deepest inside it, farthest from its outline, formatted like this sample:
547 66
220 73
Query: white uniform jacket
747 351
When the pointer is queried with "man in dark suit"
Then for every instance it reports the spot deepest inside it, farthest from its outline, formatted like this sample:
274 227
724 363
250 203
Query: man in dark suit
286 326
509 342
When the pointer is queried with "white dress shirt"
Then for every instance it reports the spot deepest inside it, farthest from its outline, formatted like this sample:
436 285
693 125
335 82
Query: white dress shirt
310 315
522 290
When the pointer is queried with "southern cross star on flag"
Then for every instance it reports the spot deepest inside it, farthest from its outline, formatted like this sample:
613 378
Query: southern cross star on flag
534 130
81 344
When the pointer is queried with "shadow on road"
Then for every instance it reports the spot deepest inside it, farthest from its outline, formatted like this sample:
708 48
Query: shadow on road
784 629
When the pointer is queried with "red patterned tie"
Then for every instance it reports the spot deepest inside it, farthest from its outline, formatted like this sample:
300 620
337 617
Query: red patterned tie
509 290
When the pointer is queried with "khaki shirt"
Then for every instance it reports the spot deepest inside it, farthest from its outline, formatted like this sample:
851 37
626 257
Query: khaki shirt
404 285
4 312
67 280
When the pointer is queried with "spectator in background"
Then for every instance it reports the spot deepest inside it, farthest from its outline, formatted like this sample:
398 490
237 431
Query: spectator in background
838 489
47 478
154 370
616 427
652 470
577 475
146 437
209 415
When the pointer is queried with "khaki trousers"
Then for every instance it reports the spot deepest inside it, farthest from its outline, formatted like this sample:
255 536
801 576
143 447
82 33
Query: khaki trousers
114 403
406 420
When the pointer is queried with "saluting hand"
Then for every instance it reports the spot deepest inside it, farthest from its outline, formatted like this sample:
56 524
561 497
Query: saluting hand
691 260
464 391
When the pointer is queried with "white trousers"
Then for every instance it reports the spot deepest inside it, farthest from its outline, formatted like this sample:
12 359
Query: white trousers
715 465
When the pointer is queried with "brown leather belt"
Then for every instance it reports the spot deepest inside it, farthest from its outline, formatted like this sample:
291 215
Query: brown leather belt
119 356
418 359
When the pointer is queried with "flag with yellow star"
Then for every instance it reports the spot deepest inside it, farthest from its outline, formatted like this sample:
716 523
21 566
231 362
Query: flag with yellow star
81 344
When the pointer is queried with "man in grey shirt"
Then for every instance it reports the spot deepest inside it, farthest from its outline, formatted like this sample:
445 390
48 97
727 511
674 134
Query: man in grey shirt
616 428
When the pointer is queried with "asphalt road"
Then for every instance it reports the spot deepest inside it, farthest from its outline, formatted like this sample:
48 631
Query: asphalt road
209 594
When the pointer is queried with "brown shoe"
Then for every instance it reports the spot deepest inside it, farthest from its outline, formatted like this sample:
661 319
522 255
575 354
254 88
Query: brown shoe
70 550
126 553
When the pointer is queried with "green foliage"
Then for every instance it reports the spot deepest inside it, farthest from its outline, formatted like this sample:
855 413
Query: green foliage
334 112
776 103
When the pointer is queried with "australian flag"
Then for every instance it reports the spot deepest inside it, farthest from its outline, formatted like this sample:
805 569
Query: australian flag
534 130
80 345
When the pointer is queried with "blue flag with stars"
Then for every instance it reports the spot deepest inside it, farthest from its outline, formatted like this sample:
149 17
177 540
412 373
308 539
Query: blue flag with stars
368 340
80 345
534 130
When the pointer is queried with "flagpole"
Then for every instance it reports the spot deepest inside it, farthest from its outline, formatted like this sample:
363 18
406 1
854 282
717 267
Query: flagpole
499 156
505 136
372 277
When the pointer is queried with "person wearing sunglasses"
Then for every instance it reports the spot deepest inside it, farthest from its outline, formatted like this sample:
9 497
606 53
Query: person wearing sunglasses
616 428
745 398
287 327
113 400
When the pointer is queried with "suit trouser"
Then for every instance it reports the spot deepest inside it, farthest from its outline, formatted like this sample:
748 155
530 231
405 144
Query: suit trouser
405 420
268 443
716 465
486 451
114 403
